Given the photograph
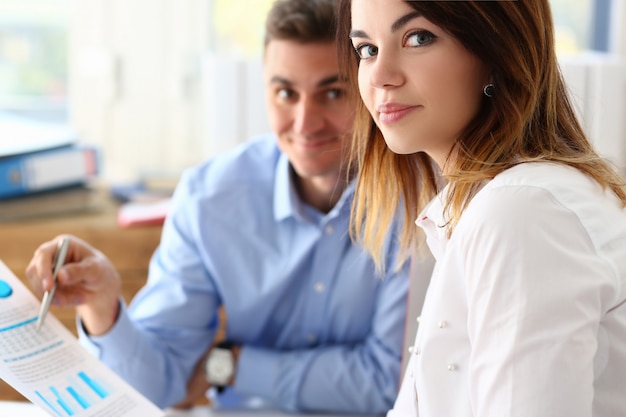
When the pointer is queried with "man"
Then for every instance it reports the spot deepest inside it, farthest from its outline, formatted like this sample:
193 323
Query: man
262 231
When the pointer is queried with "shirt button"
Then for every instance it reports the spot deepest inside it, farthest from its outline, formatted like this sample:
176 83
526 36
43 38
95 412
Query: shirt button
319 287
452 367
442 324
312 338
329 229
414 350
418 319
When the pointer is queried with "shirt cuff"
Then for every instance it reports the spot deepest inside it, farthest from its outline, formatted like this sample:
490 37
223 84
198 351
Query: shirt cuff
121 330
257 371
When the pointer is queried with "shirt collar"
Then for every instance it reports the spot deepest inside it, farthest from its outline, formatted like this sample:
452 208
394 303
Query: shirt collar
287 202
432 221
285 196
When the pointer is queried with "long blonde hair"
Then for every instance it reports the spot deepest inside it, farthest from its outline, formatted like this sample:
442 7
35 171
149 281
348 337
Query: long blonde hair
529 118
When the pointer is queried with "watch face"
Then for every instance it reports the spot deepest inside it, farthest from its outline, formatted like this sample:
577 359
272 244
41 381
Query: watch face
219 370
220 366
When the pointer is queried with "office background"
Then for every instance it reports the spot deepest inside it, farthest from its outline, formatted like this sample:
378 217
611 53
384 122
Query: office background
162 84
159 85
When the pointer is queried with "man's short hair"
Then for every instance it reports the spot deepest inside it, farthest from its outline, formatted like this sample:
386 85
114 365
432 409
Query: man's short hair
302 21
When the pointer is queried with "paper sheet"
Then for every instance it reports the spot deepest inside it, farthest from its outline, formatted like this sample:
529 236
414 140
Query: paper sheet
51 369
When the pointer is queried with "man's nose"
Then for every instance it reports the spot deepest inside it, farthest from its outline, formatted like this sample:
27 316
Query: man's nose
308 117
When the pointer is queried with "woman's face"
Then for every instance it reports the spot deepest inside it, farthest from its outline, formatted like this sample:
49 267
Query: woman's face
421 86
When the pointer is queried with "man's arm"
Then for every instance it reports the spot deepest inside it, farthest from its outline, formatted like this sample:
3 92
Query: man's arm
156 342
359 377
352 378
156 363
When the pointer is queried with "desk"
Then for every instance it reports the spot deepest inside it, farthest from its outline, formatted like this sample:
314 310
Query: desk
128 249
26 409
23 409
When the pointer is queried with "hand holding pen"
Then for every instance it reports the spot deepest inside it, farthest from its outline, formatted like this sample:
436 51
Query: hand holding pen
57 263
82 277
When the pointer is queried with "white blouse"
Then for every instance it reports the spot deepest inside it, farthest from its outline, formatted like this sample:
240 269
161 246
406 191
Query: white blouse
525 314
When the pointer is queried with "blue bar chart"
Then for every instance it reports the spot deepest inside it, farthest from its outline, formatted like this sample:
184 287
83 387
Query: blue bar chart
50 368
79 392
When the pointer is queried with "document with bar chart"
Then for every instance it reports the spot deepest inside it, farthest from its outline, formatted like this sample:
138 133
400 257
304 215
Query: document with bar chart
51 369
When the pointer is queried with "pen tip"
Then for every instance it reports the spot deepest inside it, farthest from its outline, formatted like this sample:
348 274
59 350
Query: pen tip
38 326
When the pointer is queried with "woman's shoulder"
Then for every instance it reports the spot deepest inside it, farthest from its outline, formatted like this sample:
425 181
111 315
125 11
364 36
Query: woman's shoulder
528 191
540 174
558 181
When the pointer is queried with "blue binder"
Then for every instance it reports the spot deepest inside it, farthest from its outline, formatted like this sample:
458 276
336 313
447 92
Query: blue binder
49 169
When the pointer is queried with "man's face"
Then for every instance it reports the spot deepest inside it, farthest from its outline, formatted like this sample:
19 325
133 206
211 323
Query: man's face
307 106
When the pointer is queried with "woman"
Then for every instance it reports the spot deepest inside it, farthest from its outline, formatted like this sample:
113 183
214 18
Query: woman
465 119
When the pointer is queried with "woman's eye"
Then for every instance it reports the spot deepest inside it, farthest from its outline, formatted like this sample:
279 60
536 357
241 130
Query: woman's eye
419 38
365 51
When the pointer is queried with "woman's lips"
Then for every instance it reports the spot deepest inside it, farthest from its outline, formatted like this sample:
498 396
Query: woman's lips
392 113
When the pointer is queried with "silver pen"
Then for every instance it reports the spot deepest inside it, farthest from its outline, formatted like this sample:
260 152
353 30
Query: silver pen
57 263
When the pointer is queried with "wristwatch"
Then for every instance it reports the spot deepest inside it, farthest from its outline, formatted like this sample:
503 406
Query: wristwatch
220 366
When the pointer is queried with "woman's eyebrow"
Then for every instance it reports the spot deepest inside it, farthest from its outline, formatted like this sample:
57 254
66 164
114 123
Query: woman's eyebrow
397 25
358 34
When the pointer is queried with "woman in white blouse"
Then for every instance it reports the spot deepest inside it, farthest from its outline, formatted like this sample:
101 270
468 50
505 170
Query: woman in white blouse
465 119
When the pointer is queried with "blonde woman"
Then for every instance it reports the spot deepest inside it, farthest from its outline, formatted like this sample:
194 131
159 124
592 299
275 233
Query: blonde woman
525 314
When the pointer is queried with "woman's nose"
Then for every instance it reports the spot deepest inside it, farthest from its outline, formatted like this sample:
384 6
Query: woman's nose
385 72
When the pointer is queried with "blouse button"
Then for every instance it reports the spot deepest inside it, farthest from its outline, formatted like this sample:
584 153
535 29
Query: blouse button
442 324
418 319
411 348
329 229
319 287
452 367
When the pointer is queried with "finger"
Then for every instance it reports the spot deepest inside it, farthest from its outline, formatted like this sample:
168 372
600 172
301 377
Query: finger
79 250
93 274
39 269
72 297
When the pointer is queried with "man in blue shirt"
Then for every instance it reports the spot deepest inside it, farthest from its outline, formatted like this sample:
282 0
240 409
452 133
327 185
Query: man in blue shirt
262 231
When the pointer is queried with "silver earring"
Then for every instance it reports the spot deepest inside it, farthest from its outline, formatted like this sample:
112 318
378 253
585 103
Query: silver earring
489 90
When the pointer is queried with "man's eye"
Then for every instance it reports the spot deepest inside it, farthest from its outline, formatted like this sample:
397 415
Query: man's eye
365 51
284 93
335 94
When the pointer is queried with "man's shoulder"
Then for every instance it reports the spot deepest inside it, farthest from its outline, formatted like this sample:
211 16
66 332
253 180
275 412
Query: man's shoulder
253 161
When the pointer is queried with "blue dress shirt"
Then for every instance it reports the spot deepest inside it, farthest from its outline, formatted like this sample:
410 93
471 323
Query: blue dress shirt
320 330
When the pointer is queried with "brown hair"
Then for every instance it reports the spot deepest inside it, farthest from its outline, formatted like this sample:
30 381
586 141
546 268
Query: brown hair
301 20
529 118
